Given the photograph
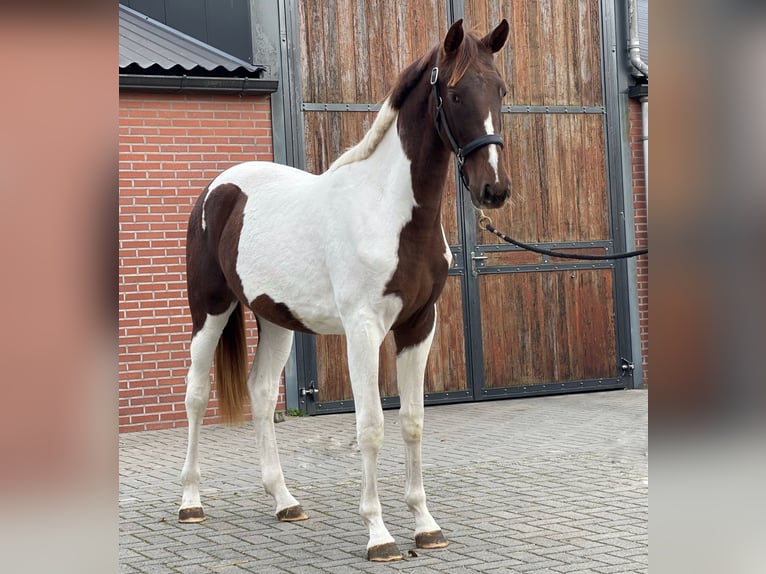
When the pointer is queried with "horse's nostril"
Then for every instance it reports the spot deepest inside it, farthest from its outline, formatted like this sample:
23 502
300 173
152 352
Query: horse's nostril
487 192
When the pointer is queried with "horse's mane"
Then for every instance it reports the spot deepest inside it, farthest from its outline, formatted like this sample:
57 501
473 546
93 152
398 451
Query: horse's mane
463 57
386 116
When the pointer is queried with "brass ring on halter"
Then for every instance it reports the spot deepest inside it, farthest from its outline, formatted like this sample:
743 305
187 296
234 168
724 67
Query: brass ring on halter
483 221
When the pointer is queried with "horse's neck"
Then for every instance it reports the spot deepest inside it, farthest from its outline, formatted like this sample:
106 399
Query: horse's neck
425 149
403 158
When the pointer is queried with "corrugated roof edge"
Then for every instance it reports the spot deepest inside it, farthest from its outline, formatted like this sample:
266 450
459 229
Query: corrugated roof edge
186 54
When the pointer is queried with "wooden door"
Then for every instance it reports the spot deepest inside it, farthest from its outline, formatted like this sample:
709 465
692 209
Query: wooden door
510 322
547 324
352 52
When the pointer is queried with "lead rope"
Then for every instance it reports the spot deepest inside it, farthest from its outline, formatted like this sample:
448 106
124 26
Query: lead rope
486 224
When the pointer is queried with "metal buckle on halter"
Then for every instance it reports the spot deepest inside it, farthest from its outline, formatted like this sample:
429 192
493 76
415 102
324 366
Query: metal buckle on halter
434 75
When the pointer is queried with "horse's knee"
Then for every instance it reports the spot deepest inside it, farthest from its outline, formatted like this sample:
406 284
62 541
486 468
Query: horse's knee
412 426
369 432
263 399
197 393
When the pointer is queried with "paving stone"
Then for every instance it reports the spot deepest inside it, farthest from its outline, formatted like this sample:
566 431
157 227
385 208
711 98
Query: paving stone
549 484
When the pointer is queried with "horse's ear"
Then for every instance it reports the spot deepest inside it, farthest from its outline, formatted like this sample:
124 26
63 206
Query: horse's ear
454 37
497 37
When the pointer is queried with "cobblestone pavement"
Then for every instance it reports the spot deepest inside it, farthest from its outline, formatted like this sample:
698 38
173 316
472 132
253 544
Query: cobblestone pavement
550 484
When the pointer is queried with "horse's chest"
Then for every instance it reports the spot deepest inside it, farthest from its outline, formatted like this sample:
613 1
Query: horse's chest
422 265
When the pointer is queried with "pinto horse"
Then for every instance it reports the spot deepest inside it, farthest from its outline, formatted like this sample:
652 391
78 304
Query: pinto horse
357 250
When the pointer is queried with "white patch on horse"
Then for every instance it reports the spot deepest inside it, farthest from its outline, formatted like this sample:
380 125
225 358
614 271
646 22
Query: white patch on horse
204 201
327 220
447 250
492 148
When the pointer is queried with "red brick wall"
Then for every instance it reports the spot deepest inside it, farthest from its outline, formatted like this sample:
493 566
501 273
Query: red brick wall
641 229
171 146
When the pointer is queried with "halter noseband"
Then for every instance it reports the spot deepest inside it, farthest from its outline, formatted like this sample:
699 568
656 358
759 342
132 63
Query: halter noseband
460 152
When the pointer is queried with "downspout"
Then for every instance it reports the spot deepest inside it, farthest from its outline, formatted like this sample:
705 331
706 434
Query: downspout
639 70
634 46
634 49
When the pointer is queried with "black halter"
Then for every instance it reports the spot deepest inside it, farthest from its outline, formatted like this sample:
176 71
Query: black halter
460 152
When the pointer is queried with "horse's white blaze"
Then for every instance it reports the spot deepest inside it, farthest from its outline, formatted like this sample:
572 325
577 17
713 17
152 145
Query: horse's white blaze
492 148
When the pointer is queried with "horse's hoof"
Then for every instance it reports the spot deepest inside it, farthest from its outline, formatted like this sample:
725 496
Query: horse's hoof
384 553
430 540
292 514
191 515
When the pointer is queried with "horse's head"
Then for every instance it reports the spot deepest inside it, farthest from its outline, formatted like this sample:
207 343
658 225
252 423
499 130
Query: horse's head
467 91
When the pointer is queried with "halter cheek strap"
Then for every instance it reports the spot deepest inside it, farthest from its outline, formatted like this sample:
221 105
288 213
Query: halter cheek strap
460 152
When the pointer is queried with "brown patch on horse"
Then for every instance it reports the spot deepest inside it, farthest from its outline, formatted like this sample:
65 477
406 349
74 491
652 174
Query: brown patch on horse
213 285
277 313
422 268
224 216
207 288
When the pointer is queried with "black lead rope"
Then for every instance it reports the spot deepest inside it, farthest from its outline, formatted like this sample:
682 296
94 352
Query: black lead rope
484 223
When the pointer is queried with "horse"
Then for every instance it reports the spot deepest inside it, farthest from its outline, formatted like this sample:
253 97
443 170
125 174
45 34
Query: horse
358 250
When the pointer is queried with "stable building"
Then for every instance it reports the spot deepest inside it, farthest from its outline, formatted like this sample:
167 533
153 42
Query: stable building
204 86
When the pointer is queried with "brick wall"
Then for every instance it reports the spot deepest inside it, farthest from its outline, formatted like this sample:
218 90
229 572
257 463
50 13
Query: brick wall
641 229
171 146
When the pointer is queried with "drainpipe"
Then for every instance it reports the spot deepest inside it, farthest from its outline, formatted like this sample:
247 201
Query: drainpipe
645 141
634 46
634 49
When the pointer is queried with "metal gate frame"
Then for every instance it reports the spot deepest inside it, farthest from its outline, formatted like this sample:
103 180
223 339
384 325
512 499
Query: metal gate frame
301 371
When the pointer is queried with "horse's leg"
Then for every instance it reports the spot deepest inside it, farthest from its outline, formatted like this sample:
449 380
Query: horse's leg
273 350
364 340
203 346
410 371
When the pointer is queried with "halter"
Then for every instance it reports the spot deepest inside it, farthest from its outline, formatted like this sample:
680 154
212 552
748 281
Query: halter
460 152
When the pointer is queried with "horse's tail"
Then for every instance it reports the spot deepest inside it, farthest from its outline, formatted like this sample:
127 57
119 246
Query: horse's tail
231 368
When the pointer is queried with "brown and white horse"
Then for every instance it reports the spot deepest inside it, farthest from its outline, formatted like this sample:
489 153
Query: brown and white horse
358 250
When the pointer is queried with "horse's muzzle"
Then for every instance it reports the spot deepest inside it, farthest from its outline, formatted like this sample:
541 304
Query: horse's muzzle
494 195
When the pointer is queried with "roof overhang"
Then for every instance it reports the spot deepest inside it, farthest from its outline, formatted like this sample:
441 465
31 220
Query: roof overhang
197 84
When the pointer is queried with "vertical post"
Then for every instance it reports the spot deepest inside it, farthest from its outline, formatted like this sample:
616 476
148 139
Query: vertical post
620 197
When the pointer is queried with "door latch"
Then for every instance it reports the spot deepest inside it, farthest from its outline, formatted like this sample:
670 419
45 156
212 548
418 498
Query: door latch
627 366
474 258
310 391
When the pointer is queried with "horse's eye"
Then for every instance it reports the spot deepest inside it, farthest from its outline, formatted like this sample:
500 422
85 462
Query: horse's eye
455 98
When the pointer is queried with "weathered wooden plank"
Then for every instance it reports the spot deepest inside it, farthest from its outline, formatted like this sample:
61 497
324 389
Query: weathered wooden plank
450 210
446 370
557 166
361 81
540 328
553 53
345 50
